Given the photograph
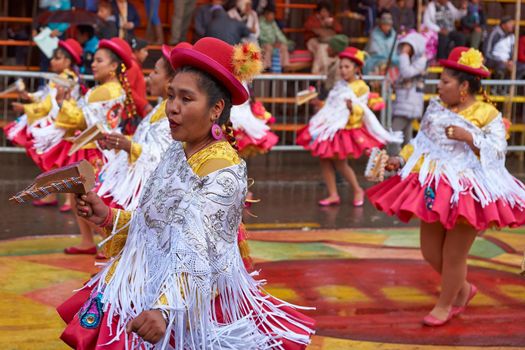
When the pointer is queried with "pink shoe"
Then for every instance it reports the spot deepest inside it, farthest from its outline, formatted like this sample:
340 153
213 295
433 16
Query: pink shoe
329 202
65 208
41 203
359 202
78 251
431 321
457 310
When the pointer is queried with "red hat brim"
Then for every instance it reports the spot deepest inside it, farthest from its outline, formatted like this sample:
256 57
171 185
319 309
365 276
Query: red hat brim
461 67
181 57
351 58
65 45
124 56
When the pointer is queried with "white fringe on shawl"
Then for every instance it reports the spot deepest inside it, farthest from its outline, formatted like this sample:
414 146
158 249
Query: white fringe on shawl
21 121
124 181
182 244
49 136
242 118
485 178
334 116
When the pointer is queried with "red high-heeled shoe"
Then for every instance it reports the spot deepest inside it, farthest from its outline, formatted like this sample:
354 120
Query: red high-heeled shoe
79 251
41 203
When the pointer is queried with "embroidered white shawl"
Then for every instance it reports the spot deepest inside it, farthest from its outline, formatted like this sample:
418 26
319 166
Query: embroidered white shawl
485 178
182 244
49 136
334 115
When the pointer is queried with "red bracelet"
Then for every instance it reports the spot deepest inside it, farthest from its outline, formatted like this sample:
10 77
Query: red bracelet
108 220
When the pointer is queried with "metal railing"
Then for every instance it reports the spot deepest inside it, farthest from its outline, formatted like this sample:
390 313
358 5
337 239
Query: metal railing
277 92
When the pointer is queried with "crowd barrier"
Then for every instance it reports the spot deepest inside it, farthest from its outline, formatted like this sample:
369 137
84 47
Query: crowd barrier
277 93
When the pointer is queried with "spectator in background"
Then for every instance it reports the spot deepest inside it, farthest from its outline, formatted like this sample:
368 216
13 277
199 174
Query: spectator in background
154 28
336 45
320 28
498 48
409 86
473 24
127 18
59 29
521 55
181 20
136 77
380 46
140 50
203 17
243 12
109 28
89 5
440 17
403 16
368 8
225 28
272 37
260 5
89 41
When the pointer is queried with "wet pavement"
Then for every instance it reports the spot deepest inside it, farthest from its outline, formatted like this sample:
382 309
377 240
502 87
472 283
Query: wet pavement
363 271
288 185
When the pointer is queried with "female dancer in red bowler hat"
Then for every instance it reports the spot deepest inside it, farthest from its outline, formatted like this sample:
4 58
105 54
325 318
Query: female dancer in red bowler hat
125 173
344 127
42 110
177 280
453 178
108 104
130 161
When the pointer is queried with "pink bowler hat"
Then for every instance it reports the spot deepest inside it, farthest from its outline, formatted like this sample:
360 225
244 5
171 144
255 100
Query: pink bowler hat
166 50
467 60
120 47
73 48
228 64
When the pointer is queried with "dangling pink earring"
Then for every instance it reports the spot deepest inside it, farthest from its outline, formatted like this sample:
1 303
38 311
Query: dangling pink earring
216 132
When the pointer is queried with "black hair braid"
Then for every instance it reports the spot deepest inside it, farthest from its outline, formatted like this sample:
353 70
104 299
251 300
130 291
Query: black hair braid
129 118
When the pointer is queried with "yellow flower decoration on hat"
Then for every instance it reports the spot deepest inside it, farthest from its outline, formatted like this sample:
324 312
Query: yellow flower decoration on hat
360 55
246 61
472 58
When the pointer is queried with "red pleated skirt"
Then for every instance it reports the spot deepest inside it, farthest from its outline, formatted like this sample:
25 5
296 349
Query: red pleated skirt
80 337
19 139
248 146
346 143
408 198
57 156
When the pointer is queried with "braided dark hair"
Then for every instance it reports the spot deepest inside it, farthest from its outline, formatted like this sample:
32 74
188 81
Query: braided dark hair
170 72
474 83
129 117
215 92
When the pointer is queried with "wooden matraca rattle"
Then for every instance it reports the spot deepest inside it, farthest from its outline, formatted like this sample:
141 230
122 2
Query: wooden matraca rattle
375 168
75 178
304 96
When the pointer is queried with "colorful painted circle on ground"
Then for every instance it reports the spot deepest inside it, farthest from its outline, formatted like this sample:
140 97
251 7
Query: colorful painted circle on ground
370 288
384 300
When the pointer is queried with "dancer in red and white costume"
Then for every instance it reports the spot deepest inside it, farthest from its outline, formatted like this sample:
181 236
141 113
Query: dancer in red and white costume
452 177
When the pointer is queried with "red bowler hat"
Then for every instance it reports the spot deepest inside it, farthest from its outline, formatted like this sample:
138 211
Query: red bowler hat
166 50
73 48
120 47
228 64
354 55
467 60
